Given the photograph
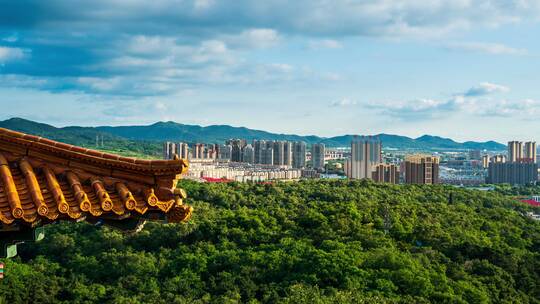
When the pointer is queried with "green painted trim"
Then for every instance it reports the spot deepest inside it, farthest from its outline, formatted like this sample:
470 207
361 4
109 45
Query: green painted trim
9 240
11 251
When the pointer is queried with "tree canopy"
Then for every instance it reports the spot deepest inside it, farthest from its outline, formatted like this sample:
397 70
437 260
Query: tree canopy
296 242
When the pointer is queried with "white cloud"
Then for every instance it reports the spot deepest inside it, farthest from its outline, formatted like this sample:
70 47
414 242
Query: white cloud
486 88
260 38
303 17
210 50
282 67
487 48
201 5
475 101
9 54
160 45
10 39
148 45
324 44
100 84
344 102
160 106
417 109
21 81
520 109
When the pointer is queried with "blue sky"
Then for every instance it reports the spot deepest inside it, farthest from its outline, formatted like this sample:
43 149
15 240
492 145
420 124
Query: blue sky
464 69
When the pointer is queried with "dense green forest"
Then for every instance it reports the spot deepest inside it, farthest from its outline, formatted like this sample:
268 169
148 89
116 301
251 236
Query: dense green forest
299 242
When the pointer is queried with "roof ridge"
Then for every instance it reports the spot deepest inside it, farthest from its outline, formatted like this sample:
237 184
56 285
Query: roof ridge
33 142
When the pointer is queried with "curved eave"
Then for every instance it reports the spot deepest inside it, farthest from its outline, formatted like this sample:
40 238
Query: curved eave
87 159
42 181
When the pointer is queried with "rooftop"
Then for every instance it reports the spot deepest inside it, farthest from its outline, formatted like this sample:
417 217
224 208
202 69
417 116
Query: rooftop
42 181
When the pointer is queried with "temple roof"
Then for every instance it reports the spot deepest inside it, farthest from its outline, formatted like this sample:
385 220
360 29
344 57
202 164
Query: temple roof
42 181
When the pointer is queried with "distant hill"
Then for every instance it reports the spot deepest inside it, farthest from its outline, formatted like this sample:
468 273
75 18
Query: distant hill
162 131
191 133
71 135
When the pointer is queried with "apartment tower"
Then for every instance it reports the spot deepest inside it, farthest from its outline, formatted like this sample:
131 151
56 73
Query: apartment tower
182 150
366 153
299 155
515 151
248 154
317 156
529 152
385 173
279 153
421 169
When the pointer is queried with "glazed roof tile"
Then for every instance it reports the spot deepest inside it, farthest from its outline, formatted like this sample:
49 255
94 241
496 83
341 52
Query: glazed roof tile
43 180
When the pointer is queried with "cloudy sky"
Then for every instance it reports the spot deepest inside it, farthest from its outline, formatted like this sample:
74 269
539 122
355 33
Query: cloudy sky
466 69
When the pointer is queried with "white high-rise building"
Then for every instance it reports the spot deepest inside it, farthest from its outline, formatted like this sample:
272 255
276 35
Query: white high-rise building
529 151
519 152
182 150
366 152
169 149
165 150
515 151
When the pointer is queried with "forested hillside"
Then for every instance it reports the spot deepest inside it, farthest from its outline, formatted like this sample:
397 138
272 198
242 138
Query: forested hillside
147 138
86 137
305 242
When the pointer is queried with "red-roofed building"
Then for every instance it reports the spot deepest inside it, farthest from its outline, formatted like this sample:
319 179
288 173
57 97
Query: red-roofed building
531 202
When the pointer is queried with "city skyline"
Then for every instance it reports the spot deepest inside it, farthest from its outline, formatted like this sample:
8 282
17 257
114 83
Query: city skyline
449 68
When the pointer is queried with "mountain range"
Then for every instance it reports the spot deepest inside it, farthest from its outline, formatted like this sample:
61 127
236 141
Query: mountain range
172 131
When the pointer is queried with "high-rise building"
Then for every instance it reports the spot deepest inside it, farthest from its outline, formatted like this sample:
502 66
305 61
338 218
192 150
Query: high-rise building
198 151
225 152
166 154
515 173
485 161
182 150
475 154
385 173
279 153
497 159
248 154
267 155
317 156
299 155
213 151
366 152
169 150
529 152
237 145
518 152
258 145
421 169
515 151
287 153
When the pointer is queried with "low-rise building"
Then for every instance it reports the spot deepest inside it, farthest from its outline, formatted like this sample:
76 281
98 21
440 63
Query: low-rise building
241 172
